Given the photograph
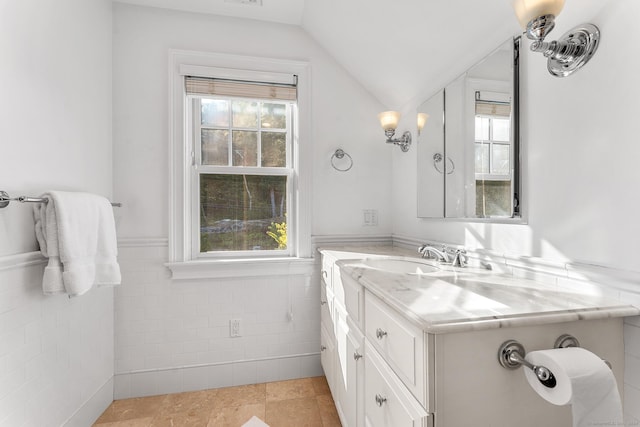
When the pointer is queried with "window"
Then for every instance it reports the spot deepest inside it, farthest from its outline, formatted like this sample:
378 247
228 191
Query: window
493 155
242 169
240 156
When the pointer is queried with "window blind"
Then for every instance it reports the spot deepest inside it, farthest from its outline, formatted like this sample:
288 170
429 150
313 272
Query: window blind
493 104
488 108
242 89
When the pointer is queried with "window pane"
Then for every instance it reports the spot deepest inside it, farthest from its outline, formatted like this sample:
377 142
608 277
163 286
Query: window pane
482 128
501 159
245 114
482 158
493 199
242 212
501 129
245 148
274 149
214 112
274 116
215 147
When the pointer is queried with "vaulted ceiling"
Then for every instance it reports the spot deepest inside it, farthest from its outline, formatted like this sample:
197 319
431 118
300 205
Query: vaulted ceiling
400 50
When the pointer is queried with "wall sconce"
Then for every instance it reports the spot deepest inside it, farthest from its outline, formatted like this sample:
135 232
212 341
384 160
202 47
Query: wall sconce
389 122
574 48
422 120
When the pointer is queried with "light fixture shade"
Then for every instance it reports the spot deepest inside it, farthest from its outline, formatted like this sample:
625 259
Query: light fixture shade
389 119
527 10
422 119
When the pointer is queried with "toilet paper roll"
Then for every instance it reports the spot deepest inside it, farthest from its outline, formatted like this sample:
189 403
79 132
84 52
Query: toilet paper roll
583 380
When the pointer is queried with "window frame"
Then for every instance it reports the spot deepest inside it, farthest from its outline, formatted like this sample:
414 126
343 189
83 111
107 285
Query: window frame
183 262
490 176
198 169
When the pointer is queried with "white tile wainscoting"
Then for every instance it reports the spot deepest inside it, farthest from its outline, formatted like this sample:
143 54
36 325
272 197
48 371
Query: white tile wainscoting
173 336
56 352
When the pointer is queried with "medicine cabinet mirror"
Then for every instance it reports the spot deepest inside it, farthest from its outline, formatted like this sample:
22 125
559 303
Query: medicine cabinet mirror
468 151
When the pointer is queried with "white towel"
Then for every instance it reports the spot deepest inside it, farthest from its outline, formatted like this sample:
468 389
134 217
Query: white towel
77 232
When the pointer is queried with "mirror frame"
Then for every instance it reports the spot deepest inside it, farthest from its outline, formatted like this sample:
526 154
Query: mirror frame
423 201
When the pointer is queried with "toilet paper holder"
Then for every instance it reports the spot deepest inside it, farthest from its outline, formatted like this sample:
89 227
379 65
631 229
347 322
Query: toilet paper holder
511 355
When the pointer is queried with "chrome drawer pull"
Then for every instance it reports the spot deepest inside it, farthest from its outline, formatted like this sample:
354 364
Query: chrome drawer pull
357 356
322 302
323 348
324 274
380 400
380 333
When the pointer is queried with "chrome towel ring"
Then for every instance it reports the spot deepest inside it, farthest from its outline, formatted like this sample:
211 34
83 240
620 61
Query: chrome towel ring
340 154
437 158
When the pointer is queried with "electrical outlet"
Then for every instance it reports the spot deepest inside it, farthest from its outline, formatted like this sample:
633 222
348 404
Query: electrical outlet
234 328
370 217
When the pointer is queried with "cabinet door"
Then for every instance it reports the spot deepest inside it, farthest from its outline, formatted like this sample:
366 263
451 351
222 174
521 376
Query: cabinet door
327 356
326 272
326 307
349 371
387 402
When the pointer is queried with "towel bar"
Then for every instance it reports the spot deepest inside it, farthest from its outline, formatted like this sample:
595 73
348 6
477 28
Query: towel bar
5 200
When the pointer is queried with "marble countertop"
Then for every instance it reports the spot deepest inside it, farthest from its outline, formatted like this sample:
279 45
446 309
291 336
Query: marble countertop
462 299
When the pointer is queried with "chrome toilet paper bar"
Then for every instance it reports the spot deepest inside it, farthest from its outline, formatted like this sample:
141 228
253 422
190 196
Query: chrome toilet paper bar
511 356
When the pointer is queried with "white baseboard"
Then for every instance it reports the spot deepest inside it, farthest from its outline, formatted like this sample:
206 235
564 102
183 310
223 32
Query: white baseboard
202 377
94 407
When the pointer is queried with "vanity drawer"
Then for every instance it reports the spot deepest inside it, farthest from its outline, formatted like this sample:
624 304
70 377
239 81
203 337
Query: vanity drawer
354 299
387 403
401 344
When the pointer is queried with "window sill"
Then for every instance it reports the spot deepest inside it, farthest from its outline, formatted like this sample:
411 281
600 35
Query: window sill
240 268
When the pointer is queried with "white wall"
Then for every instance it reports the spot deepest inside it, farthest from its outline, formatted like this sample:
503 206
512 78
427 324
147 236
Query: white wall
174 336
56 354
581 165
343 115
580 169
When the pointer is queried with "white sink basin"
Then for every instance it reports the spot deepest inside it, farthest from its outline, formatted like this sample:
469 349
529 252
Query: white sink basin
399 265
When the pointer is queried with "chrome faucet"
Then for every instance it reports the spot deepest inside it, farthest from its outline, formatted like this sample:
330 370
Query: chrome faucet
441 256
459 257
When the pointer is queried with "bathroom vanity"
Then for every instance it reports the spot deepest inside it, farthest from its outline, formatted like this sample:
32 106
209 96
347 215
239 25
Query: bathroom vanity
408 342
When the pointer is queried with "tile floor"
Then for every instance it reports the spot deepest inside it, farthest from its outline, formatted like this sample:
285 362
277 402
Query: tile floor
294 403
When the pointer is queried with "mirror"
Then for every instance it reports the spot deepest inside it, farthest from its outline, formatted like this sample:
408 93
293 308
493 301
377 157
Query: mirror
468 151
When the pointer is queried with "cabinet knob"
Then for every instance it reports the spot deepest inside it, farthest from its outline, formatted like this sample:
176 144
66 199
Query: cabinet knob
323 347
380 400
380 333
357 356
324 273
322 302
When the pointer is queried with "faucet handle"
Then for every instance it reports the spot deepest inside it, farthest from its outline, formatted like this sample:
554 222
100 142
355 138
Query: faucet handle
423 250
460 258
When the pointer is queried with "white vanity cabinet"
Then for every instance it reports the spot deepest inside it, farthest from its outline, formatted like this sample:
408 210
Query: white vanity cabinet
360 373
391 361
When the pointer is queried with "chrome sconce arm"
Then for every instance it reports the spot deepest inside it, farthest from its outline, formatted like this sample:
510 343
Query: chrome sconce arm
404 142
566 55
